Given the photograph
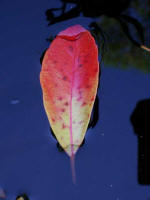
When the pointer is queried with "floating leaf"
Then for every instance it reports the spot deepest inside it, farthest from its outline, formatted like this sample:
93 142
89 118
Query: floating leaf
69 81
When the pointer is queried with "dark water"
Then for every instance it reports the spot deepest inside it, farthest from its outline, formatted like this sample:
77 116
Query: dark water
106 166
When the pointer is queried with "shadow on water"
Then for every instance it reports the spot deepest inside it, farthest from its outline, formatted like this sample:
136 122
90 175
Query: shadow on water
140 120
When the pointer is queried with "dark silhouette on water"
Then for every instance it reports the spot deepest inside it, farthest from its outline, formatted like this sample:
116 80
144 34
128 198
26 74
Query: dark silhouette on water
89 8
140 120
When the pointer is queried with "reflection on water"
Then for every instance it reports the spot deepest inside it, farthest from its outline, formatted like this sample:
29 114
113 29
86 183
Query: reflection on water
124 28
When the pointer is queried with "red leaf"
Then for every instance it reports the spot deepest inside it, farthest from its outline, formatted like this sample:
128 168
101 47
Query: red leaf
69 80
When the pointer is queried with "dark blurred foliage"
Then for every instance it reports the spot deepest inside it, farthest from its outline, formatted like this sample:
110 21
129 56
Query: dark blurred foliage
140 120
123 26
121 52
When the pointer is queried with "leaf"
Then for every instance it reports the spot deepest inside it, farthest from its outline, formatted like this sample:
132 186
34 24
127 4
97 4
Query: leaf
69 81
